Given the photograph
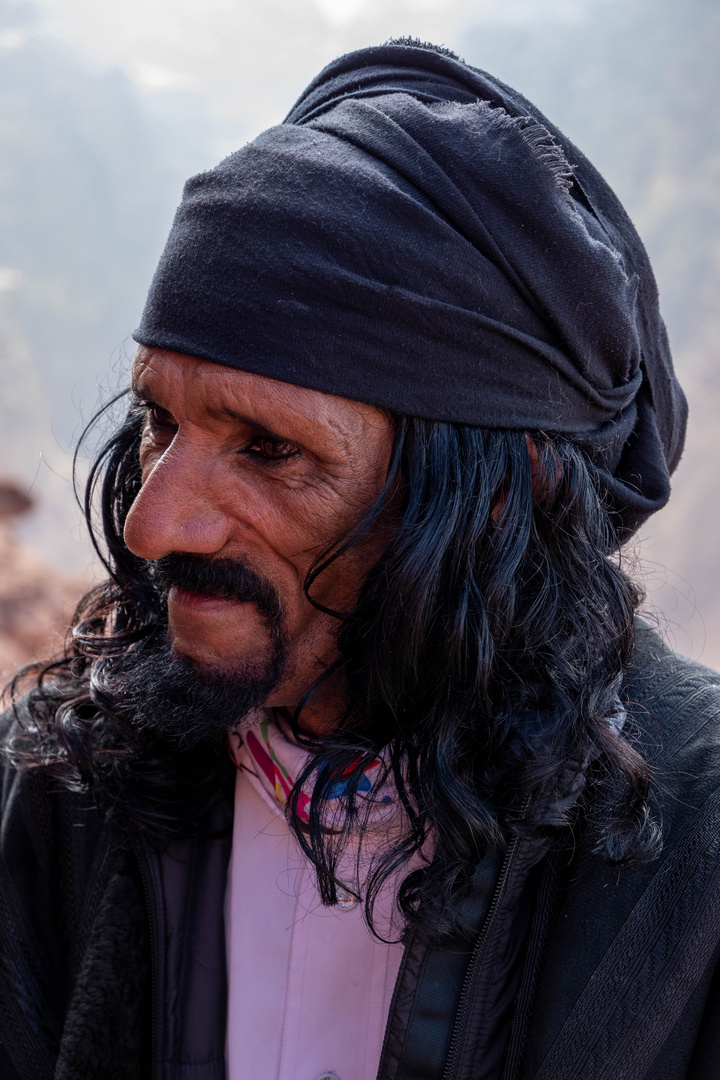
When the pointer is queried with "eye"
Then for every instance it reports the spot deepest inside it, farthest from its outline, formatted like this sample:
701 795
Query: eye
271 449
158 419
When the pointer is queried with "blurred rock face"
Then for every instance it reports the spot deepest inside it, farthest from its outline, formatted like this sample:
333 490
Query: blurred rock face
36 602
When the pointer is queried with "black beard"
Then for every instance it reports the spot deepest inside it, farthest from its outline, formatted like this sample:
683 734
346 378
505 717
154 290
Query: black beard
171 696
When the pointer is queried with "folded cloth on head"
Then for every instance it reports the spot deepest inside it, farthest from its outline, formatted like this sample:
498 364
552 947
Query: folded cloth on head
417 236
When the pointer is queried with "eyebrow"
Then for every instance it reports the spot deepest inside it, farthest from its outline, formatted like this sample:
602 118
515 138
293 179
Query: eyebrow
140 392
143 394
247 421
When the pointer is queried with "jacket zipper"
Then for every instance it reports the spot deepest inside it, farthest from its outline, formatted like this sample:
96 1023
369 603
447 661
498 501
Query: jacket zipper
452 1063
146 875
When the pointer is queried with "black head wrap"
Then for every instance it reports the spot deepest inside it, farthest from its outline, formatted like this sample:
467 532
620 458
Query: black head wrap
413 236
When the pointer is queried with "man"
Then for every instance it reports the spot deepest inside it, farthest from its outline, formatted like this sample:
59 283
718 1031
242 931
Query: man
359 763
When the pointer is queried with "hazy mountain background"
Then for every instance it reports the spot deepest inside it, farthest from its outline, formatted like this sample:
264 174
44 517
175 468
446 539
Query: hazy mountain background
105 109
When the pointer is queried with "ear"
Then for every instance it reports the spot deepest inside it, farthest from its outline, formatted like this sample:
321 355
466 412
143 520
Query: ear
544 481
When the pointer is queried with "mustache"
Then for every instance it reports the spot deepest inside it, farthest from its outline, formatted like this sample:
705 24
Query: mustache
228 579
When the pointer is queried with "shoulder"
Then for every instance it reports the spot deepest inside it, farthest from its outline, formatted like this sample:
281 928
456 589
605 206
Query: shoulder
19 784
41 818
669 688
632 951
673 709
24 793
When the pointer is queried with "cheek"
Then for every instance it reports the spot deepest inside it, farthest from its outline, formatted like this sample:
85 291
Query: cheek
339 585
298 524
305 536
149 454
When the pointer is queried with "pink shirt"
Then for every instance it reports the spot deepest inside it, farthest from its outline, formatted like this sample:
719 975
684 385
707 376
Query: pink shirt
309 986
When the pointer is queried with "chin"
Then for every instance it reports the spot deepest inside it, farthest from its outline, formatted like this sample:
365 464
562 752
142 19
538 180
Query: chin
231 649
199 697
212 664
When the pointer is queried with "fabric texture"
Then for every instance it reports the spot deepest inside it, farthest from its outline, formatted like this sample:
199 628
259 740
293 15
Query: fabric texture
309 988
617 959
417 236
111 981
274 760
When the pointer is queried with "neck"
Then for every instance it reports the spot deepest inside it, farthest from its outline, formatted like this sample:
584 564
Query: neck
325 711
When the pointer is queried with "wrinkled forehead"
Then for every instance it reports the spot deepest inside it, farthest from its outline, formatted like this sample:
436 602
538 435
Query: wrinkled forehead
198 390
193 378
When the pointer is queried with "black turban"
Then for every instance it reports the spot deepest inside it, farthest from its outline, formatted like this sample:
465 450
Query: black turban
417 236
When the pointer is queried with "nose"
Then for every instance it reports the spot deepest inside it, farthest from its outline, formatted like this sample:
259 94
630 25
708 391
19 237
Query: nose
176 509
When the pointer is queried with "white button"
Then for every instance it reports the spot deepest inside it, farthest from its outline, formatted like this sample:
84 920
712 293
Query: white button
328 1076
346 901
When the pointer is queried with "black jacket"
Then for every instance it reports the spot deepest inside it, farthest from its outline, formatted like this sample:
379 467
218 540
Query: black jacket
112 960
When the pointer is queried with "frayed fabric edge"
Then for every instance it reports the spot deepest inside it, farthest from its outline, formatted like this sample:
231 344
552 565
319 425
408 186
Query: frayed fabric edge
541 144
546 150
416 43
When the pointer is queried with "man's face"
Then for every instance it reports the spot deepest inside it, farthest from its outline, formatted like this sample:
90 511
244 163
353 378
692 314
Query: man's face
265 475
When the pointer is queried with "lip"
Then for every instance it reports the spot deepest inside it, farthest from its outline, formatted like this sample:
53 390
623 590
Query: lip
192 601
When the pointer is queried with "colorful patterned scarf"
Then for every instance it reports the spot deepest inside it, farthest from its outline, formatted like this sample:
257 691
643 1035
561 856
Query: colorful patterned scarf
270 754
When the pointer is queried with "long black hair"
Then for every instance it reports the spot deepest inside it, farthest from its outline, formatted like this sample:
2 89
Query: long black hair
483 662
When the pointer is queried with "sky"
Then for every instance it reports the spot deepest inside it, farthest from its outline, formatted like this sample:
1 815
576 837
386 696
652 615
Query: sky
249 59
